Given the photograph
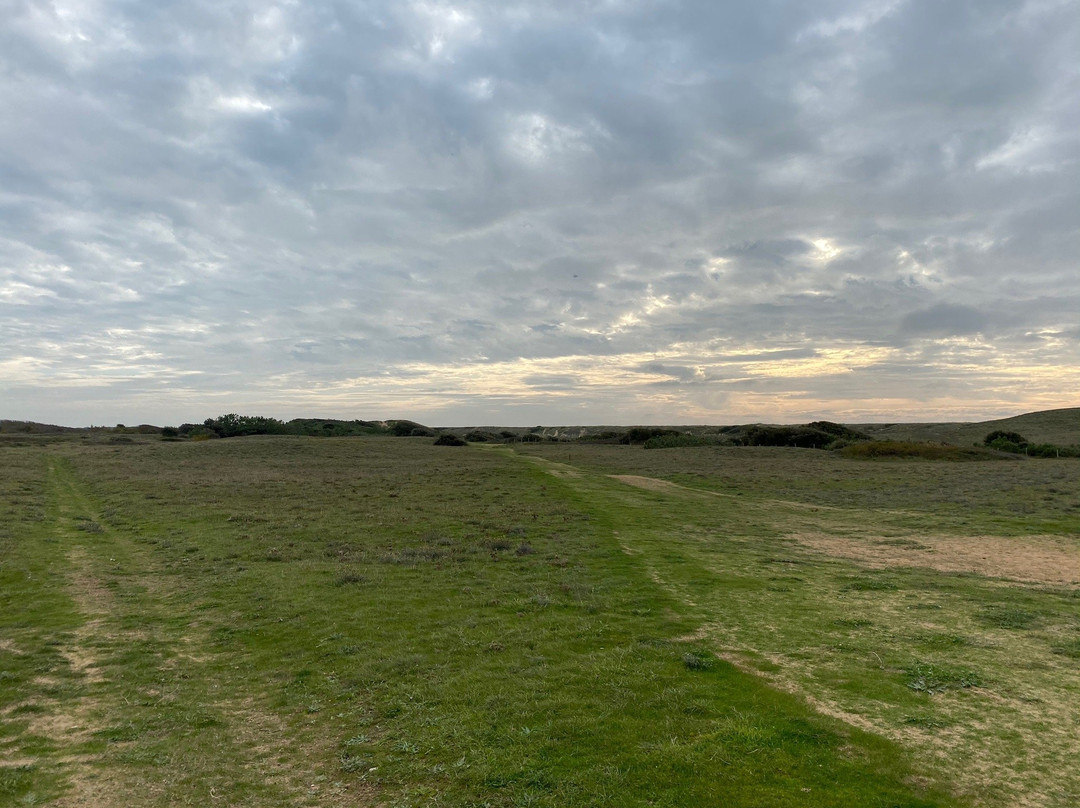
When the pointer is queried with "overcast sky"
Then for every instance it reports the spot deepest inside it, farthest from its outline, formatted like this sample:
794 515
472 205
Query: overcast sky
616 211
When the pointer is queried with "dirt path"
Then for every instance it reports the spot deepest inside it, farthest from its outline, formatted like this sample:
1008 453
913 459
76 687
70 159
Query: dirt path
136 662
1015 733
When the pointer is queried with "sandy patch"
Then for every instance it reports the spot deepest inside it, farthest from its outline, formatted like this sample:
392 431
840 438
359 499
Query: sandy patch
555 469
89 593
270 744
1030 559
648 483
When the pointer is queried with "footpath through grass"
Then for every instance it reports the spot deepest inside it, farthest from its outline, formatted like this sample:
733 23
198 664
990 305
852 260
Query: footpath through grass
937 604
293 621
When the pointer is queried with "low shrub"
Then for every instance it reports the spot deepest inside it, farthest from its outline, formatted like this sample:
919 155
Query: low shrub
676 441
1002 436
403 428
899 449
1016 443
448 439
803 437
641 434
232 425
699 660
838 431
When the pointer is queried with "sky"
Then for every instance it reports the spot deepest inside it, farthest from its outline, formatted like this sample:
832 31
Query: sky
521 213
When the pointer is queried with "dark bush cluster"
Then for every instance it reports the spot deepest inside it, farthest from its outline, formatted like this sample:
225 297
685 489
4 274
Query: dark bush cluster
405 429
803 437
838 431
333 428
870 450
607 436
641 434
677 441
233 425
1014 442
449 439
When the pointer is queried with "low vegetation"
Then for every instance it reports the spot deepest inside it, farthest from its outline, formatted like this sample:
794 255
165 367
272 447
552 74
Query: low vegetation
370 621
1016 443
365 620
879 449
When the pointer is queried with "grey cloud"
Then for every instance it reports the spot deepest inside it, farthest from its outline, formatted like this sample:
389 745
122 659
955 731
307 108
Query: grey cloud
327 192
944 319
552 381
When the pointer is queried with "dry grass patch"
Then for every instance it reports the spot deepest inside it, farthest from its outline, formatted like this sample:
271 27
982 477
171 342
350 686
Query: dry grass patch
648 483
1050 560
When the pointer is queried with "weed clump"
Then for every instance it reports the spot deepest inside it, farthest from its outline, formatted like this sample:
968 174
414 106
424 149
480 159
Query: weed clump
698 660
924 721
351 764
1070 649
347 578
924 677
857 622
1007 617
870 584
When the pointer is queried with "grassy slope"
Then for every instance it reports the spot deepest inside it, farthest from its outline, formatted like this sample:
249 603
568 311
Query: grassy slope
292 621
1060 427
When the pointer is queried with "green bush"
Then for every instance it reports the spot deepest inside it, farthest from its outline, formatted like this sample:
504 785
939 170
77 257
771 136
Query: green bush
676 441
233 425
804 437
641 434
838 431
448 439
403 429
871 450
1006 437
1016 443
607 436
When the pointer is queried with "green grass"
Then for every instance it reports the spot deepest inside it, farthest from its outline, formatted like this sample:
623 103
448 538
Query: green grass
305 621
735 536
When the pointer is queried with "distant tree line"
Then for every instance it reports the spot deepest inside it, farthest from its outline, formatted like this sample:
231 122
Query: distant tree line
233 425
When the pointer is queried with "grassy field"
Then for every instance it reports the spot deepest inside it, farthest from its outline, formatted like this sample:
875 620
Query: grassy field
377 621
